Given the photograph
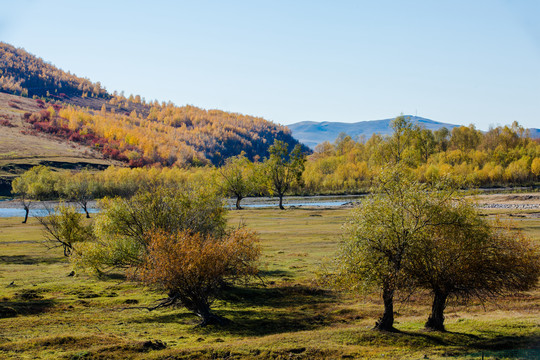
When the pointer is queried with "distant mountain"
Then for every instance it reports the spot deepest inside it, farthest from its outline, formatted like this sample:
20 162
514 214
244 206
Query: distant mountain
535 133
312 133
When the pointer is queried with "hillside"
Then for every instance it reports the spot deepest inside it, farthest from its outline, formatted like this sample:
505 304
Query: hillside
79 112
312 133
21 147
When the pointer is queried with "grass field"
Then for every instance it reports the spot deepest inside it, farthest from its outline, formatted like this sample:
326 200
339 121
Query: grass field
46 314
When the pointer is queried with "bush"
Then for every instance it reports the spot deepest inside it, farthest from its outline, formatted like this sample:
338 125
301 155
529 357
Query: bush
192 267
122 227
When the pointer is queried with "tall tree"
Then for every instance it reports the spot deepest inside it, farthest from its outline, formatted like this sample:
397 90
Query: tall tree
382 234
400 139
284 169
423 142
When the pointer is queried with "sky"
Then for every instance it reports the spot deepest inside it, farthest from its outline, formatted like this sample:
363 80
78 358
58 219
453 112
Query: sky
455 61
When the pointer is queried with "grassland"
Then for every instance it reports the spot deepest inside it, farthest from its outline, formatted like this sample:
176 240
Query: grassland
46 314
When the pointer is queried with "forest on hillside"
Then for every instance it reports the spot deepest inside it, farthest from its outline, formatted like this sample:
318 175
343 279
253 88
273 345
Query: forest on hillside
130 129
149 133
24 74
168 136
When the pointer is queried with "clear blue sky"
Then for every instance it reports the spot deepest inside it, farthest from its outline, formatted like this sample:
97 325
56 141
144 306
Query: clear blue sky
456 61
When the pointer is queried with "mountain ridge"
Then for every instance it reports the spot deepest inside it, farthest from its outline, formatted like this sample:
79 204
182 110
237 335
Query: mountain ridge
312 133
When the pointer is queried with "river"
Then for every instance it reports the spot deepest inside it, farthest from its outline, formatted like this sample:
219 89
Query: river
12 208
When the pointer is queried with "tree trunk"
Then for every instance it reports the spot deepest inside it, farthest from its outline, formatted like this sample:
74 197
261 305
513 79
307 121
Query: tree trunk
238 207
281 202
27 210
85 208
386 322
208 318
436 320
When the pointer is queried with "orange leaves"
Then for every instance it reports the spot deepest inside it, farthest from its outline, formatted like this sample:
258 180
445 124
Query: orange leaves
185 262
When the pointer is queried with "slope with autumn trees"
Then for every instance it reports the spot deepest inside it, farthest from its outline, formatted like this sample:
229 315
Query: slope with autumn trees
130 129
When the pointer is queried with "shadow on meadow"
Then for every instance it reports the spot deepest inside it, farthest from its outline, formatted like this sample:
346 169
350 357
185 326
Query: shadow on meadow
261 311
448 344
29 260
257 311
25 302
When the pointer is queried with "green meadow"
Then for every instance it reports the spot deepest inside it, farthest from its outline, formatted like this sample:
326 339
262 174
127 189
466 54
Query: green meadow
285 314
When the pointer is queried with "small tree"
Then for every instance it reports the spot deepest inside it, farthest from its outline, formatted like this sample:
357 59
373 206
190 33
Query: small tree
284 169
238 178
80 187
64 227
38 183
192 267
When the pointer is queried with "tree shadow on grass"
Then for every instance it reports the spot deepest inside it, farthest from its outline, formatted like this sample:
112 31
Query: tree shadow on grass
441 338
29 260
261 311
265 274
20 307
467 342
113 276
502 343
261 323
296 295
179 317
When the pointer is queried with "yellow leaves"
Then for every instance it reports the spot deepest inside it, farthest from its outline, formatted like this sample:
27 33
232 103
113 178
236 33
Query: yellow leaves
517 170
535 166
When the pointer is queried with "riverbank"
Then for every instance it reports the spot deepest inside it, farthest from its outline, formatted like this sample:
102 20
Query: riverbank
519 201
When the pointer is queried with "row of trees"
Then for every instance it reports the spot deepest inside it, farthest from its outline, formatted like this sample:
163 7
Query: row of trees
332 168
238 178
502 156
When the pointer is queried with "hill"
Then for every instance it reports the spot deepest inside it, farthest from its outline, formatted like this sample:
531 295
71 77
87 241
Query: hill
21 147
313 133
79 112
534 133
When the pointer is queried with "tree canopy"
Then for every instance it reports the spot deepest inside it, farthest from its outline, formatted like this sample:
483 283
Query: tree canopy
284 169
